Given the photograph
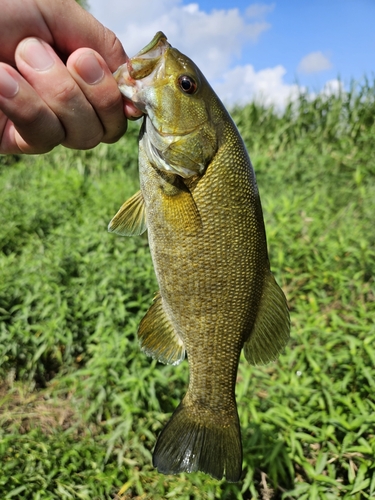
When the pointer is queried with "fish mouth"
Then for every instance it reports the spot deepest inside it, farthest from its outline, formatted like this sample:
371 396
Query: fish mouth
140 80
144 63
140 70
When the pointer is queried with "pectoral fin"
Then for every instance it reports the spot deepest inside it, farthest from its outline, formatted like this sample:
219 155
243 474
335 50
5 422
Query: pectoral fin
180 209
270 332
130 220
158 337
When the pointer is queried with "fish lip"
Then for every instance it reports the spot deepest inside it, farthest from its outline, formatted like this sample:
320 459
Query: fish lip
144 63
140 70
159 41
122 76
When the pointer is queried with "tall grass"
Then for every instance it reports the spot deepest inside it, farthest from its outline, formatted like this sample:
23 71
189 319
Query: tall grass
81 406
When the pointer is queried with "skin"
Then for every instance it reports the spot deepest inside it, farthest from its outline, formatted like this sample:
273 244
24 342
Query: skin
56 83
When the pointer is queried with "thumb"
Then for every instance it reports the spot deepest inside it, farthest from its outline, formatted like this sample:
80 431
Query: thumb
72 27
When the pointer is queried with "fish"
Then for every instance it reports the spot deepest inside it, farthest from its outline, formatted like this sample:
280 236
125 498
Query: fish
200 205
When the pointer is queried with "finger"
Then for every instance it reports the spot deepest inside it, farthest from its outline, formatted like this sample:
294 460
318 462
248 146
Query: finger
97 83
131 111
20 19
80 29
104 96
46 73
27 124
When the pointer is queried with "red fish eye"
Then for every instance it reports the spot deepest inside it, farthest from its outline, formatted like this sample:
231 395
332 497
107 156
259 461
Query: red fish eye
187 84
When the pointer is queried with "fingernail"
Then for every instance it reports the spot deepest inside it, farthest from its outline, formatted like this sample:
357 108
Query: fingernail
89 68
8 86
36 55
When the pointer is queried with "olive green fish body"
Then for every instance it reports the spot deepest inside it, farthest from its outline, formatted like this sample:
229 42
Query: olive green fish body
207 240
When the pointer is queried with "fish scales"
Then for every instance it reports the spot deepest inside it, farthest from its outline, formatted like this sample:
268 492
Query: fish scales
200 201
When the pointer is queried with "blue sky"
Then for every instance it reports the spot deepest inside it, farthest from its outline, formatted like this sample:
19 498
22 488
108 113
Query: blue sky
256 50
343 30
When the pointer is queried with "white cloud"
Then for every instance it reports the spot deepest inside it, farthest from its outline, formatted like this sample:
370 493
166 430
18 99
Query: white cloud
333 87
259 10
243 84
213 40
314 63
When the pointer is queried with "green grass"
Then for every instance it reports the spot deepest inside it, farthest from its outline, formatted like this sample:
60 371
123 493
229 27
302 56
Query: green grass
81 406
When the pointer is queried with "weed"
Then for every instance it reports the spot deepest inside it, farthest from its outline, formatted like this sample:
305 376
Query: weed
81 406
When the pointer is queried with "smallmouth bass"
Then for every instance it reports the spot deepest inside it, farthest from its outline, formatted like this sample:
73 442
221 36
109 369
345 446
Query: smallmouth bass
200 204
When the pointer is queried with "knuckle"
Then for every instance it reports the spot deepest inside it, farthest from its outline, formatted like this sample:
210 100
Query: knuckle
66 92
39 144
39 130
73 141
109 102
113 136
116 50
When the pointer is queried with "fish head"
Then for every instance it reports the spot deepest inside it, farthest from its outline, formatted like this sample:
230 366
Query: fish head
180 107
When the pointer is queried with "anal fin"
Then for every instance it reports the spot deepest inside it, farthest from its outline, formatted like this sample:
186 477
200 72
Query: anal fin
270 332
130 220
158 337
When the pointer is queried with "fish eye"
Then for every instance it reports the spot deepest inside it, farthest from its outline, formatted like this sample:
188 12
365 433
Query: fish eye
187 84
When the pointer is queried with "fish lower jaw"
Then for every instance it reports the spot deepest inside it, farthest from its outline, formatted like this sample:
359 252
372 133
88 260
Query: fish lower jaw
127 90
127 85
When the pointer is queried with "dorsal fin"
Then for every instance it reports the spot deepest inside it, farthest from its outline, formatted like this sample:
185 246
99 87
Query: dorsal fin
130 220
270 332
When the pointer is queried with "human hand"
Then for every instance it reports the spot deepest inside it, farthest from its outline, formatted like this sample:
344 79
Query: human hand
45 102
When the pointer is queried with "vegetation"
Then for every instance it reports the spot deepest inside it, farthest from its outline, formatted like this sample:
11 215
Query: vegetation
81 406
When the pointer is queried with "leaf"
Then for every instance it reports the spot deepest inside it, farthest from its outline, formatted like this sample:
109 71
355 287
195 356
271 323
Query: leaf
360 482
321 462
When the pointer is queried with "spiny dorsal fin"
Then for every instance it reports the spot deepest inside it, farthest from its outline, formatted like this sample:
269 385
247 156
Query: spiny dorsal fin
130 220
158 337
270 332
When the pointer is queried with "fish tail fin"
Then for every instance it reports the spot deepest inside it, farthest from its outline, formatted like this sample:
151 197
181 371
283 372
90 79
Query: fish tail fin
200 441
